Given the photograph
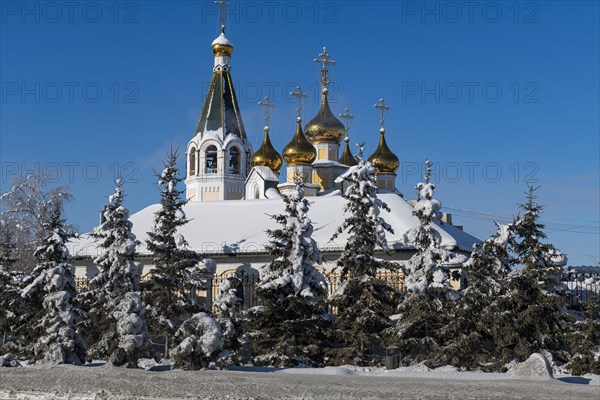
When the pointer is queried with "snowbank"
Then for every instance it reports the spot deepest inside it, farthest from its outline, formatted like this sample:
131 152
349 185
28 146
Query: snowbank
347 383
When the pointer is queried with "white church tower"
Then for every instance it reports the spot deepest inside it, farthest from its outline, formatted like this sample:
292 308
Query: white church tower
218 156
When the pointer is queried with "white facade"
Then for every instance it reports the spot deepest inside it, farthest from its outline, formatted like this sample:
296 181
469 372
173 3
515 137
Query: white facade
217 168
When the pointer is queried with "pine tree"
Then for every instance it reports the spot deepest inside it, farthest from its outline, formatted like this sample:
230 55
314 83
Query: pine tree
287 329
469 342
585 339
532 315
51 296
9 293
425 311
228 304
423 270
170 291
116 326
363 302
199 338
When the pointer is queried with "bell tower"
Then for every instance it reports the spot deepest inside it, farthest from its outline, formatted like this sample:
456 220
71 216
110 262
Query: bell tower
218 156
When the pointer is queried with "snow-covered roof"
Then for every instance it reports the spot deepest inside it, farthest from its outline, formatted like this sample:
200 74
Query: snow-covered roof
265 173
238 226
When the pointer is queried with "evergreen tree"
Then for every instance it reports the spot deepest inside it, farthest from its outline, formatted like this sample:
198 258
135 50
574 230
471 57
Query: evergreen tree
469 340
8 289
287 329
199 338
532 316
116 326
425 311
228 304
8 248
170 291
50 331
363 302
423 270
585 339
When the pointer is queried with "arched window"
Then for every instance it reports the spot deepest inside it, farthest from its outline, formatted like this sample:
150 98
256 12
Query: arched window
192 162
211 160
234 161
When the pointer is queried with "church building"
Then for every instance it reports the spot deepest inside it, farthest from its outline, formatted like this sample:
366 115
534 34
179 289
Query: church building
232 189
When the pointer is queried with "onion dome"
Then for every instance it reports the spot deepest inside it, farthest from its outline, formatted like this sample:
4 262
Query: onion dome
383 159
324 127
347 158
299 150
266 155
222 46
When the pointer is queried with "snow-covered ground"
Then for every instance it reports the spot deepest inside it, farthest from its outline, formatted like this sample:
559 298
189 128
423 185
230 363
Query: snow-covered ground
98 382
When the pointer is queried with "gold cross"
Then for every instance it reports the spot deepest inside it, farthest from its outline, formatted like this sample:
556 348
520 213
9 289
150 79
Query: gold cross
381 105
223 13
324 60
346 115
267 105
299 95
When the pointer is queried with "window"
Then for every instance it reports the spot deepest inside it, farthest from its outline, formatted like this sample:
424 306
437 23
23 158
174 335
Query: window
211 160
234 161
192 162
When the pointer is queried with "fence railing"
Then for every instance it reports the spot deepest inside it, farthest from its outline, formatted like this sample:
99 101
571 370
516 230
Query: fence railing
580 286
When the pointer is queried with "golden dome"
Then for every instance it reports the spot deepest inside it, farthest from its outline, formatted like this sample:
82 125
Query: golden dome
324 127
347 158
383 159
222 46
266 155
299 150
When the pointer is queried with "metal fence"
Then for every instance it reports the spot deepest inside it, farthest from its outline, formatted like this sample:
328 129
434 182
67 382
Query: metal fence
580 286
249 282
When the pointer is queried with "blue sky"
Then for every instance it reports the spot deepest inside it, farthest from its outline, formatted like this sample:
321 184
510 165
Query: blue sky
496 94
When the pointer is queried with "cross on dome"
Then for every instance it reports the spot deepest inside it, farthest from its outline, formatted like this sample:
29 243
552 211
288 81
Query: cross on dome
324 60
299 96
267 105
222 13
381 106
347 117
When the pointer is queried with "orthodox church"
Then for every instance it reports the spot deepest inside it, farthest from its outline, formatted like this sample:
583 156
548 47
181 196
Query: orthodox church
222 166
233 190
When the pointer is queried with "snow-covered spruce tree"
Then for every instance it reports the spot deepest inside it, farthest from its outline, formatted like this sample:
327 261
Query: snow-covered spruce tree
170 290
469 342
426 308
532 316
9 293
363 302
50 332
115 327
199 339
287 329
423 270
228 303
585 339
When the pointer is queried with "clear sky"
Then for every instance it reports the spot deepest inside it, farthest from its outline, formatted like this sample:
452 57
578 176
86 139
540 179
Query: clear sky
495 93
